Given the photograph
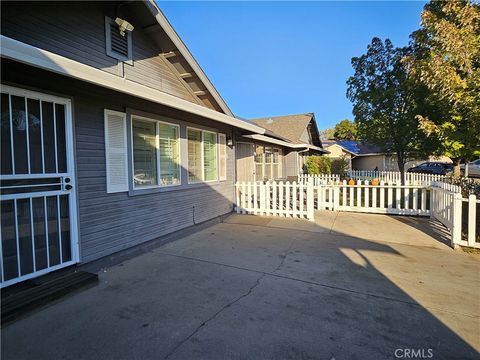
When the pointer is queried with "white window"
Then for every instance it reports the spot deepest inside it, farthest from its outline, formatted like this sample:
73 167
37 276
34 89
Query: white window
222 151
202 156
144 141
267 163
195 173
155 153
169 146
210 156
259 162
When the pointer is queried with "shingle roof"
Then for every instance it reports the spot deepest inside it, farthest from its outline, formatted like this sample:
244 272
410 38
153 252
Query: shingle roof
290 127
356 147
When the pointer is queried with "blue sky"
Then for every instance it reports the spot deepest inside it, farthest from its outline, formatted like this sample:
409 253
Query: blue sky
279 58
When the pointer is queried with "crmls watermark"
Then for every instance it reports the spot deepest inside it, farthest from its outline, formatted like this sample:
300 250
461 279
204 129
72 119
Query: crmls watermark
413 353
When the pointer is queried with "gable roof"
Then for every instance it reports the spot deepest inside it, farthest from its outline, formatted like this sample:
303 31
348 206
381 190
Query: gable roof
182 50
328 143
290 127
357 148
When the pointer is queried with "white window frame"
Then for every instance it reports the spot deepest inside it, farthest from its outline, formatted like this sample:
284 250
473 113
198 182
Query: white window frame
222 177
264 163
202 131
157 144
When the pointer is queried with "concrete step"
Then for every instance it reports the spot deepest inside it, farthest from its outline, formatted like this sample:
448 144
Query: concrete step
23 298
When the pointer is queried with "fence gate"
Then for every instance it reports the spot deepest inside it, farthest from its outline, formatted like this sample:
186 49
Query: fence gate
38 205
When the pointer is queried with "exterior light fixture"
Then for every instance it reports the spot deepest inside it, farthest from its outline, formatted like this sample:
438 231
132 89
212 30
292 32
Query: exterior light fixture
123 25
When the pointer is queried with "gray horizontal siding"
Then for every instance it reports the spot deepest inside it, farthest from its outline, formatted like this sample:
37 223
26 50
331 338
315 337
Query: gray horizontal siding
76 30
112 222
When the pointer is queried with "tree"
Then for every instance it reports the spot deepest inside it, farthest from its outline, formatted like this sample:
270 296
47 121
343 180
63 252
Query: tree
340 165
317 164
345 130
327 134
383 100
446 60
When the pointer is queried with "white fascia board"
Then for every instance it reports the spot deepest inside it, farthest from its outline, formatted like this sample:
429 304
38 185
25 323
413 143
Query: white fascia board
31 55
284 143
172 34
269 140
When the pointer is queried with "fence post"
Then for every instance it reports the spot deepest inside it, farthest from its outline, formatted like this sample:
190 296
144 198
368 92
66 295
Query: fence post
237 194
432 201
336 198
456 219
310 201
472 209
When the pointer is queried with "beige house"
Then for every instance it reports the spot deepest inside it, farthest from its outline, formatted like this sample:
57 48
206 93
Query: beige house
367 157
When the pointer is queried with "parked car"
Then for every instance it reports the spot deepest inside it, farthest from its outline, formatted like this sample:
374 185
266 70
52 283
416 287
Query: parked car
473 168
437 168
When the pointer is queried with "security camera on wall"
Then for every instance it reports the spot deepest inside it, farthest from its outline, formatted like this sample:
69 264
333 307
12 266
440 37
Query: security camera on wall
123 25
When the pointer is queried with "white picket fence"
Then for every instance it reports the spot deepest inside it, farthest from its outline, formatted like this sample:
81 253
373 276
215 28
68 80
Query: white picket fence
275 199
389 177
441 201
319 179
395 177
448 207
380 199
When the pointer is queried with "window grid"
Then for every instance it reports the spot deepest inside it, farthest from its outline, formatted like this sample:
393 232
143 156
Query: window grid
158 164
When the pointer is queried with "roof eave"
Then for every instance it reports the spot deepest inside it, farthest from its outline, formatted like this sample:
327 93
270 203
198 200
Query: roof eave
182 48
46 60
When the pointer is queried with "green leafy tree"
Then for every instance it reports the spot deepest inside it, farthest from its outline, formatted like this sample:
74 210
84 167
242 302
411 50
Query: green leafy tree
327 134
446 60
318 164
384 103
340 166
345 130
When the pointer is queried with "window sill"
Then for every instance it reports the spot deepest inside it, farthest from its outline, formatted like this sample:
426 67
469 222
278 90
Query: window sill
170 188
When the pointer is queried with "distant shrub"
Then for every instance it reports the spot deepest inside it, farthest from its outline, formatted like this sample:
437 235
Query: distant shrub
468 185
340 166
318 164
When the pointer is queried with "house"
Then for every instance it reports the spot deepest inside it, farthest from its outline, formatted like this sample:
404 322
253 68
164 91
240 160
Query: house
363 156
337 151
280 152
112 134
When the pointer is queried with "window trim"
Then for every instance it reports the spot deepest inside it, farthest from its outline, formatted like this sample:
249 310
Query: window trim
215 134
202 131
108 43
264 162
222 177
134 117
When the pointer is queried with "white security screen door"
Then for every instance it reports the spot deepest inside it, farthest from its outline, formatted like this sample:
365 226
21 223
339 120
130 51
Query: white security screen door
37 185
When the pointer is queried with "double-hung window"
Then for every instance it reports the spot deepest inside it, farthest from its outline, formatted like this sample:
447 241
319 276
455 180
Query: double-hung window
267 163
202 156
155 153
222 156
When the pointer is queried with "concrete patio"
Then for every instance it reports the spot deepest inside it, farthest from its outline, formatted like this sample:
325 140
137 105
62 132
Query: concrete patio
348 286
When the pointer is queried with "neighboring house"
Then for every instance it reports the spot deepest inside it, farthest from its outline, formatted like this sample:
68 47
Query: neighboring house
363 156
285 144
337 151
109 140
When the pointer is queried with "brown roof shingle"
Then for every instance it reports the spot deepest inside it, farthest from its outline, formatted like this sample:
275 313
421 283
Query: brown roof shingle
290 127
